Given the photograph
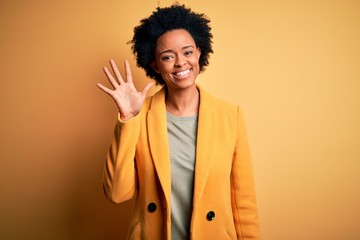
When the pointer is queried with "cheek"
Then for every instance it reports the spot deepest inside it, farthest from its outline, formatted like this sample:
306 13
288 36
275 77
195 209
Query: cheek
165 70
196 58
165 65
195 61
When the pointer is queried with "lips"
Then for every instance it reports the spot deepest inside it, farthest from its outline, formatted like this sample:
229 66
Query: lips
182 73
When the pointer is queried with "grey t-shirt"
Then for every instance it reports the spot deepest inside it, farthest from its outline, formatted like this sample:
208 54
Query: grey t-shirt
182 142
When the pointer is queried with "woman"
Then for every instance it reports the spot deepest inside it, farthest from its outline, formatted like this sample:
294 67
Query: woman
181 154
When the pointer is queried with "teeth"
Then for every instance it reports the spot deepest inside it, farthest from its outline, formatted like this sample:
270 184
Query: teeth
183 73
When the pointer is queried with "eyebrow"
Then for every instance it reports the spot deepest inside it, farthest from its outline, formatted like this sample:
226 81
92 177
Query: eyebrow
171 51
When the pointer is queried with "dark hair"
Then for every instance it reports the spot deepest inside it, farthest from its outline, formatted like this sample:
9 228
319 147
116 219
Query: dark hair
166 19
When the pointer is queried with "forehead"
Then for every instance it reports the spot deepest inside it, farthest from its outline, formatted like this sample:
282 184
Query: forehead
174 39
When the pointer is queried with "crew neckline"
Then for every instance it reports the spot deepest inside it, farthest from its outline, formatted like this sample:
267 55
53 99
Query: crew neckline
182 118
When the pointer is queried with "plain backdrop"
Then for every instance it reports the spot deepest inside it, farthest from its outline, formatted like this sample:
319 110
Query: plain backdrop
293 67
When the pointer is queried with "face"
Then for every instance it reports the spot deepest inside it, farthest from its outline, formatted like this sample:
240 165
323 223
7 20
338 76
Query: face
177 59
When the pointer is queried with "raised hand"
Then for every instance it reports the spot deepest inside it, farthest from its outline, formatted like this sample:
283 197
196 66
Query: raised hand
128 100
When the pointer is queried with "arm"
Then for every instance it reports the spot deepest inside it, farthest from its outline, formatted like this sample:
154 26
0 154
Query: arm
243 187
120 173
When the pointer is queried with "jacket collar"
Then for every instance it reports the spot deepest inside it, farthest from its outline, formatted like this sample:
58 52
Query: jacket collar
159 145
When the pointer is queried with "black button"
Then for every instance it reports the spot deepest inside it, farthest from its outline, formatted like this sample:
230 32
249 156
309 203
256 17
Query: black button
210 216
152 207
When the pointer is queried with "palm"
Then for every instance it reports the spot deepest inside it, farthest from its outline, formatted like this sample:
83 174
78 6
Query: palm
128 100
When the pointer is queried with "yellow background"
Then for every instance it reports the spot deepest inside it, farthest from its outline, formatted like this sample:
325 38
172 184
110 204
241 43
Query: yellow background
293 66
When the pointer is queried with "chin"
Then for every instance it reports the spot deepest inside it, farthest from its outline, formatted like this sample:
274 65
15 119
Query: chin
185 84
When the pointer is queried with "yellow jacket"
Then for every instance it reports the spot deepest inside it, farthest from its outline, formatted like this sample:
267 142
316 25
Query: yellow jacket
138 166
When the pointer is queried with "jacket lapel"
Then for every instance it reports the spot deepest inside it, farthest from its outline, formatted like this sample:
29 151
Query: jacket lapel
158 141
204 145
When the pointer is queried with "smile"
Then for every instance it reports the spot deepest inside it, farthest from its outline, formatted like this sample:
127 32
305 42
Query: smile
183 73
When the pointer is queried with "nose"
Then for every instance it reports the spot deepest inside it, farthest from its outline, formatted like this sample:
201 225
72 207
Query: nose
179 61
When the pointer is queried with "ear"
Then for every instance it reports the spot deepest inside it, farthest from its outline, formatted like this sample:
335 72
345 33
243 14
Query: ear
154 66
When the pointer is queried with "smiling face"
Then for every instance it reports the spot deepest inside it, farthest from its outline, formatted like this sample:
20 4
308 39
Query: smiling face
177 59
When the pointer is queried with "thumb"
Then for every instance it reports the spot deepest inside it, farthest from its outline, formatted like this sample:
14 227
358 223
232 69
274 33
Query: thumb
146 88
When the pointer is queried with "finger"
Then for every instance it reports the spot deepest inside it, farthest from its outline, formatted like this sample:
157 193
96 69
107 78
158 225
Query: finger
128 71
110 77
116 71
146 88
105 89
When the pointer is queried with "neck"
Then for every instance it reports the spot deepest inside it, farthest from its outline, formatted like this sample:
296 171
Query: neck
183 102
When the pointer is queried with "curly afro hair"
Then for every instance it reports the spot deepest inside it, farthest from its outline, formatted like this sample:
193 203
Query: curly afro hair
166 19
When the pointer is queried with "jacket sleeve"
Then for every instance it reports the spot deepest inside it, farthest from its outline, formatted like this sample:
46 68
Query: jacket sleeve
119 176
243 188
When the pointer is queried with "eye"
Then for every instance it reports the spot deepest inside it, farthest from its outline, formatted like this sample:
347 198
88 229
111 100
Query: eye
188 53
167 57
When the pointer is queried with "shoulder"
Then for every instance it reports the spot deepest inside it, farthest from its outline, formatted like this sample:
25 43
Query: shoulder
158 98
217 104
